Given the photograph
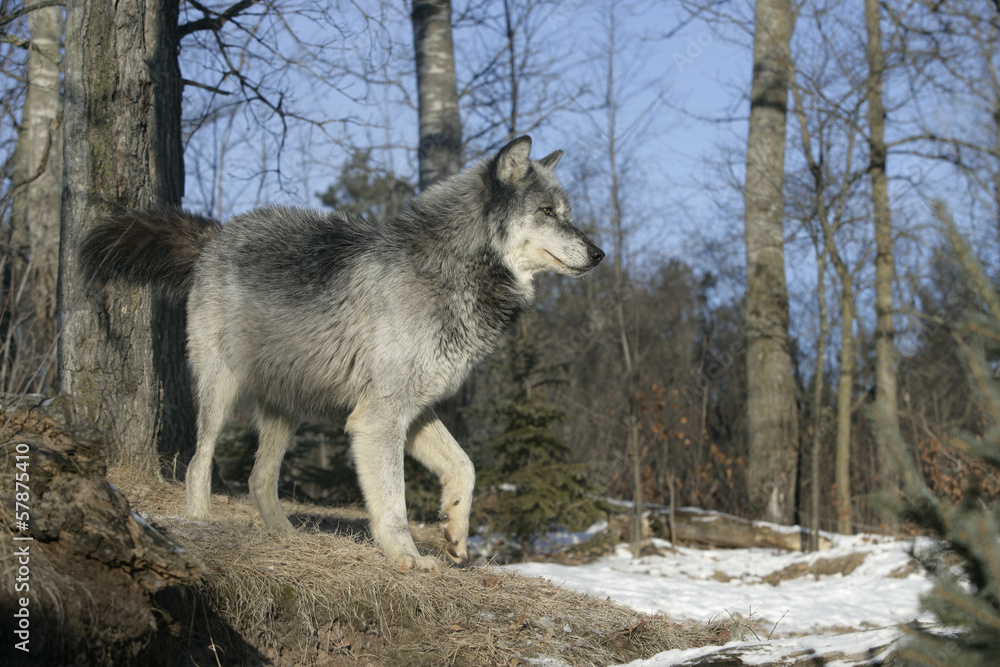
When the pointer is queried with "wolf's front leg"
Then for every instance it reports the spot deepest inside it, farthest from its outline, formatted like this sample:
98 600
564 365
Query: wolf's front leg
377 441
430 443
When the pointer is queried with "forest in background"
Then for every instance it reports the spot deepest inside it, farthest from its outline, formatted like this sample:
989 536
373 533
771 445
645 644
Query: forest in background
634 380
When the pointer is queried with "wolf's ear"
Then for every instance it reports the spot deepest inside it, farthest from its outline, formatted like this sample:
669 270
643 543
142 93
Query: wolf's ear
511 162
551 160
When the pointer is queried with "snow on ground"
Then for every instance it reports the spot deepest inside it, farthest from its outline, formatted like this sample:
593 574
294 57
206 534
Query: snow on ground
881 591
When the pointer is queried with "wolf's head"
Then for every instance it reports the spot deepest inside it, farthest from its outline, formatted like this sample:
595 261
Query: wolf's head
536 219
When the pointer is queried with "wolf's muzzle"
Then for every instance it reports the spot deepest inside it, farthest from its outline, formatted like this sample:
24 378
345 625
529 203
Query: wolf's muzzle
595 253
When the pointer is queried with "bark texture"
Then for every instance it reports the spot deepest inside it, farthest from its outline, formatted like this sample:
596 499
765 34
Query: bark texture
772 413
440 152
845 391
36 192
819 384
121 352
94 564
885 350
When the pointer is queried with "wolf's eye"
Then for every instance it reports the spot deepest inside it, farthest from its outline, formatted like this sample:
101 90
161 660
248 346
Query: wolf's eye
547 210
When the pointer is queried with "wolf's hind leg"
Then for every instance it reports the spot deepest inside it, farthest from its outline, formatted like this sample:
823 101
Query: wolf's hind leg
217 387
430 443
377 441
274 431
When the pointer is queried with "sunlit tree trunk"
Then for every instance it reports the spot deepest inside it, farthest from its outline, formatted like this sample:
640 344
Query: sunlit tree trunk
440 152
885 351
36 196
772 413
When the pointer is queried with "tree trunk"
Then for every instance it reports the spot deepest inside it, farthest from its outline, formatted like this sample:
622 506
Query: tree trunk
121 352
885 351
819 382
842 474
512 74
633 443
862 648
440 152
95 564
36 202
772 413
725 531
845 388
822 242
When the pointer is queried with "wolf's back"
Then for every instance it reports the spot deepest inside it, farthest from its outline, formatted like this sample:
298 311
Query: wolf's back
153 247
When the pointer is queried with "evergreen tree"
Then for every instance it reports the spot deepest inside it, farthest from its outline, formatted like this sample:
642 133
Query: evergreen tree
540 488
965 563
363 189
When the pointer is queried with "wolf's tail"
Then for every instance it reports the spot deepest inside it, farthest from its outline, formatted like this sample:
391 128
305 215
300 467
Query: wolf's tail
154 247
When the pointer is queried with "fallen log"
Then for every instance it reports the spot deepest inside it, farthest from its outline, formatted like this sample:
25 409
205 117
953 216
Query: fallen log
86 566
872 647
715 529
727 531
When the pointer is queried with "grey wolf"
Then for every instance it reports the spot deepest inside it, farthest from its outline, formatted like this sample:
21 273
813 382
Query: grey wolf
314 313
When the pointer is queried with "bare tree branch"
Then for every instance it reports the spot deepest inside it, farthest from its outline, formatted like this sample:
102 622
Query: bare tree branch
213 23
205 86
19 42
13 16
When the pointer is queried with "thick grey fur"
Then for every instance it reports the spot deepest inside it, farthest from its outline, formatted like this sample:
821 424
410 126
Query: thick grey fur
312 313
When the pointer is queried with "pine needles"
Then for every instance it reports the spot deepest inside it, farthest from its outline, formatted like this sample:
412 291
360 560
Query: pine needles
965 564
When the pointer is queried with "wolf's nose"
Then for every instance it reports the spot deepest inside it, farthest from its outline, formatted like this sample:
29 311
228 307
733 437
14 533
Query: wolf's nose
596 255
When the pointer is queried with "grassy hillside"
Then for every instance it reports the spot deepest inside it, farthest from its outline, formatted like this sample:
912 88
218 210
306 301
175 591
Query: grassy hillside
118 577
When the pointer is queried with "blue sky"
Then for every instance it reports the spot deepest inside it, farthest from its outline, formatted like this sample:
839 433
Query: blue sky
661 82
685 94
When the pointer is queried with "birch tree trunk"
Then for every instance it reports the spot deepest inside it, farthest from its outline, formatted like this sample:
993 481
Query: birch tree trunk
512 77
36 194
121 354
885 351
772 413
440 152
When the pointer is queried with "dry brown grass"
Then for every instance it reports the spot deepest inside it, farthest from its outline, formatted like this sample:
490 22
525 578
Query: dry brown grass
327 595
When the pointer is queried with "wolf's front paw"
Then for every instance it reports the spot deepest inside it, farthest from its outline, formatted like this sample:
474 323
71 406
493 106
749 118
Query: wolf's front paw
417 562
456 547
